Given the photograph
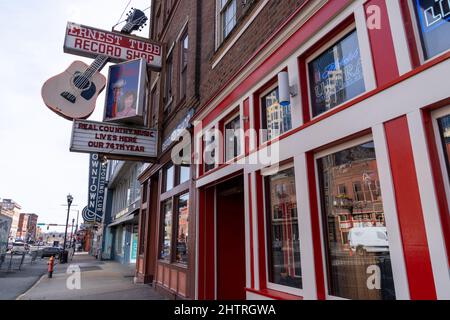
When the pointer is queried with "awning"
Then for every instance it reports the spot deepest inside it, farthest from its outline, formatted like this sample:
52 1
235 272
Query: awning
127 218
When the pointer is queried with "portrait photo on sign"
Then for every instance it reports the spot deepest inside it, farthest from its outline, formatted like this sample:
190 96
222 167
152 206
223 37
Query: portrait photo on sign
125 92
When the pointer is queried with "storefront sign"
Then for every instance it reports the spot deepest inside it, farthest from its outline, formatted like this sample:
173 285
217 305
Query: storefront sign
434 25
125 93
113 140
96 190
176 134
91 42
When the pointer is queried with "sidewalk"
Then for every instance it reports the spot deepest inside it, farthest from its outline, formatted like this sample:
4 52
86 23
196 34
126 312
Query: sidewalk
99 280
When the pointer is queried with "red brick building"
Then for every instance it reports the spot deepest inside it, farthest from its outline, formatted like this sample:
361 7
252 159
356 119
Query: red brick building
356 134
320 147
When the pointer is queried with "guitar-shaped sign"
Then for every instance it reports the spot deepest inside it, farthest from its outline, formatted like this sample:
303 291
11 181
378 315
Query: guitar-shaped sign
73 93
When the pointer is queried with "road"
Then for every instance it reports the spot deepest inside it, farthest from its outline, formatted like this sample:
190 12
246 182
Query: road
16 282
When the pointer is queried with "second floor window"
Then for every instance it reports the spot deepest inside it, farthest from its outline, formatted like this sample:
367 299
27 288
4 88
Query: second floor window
183 64
169 76
227 17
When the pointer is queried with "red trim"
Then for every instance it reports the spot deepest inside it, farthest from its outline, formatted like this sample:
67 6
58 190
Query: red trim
326 13
250 202
438 179
382 46
273 294
201 241
206 261
409 209
261 232
410 34
315 226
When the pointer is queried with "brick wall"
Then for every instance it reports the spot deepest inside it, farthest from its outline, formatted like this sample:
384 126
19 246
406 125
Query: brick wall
268 20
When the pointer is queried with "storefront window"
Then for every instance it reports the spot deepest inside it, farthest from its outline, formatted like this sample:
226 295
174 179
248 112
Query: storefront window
166 238
284 243
336 76
356 239
185 174
210 151
169 177
182 229
232 138
277 119
433 19
444 129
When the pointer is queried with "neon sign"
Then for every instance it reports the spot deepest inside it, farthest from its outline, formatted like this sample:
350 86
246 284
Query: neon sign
433 13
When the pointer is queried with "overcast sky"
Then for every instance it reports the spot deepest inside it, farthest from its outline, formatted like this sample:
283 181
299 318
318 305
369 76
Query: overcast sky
37 170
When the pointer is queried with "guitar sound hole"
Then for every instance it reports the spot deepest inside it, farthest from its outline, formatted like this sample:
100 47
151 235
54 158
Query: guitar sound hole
81 82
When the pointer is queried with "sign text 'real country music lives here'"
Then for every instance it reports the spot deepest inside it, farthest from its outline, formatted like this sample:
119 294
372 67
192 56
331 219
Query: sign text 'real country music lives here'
91 42
113 139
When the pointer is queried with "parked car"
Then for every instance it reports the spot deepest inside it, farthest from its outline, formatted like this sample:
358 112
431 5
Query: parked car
51 251
20 247
369 239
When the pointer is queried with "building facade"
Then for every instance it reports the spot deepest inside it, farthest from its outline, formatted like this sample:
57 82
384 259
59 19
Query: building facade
11 209
118 239
27 227
166 254
342 193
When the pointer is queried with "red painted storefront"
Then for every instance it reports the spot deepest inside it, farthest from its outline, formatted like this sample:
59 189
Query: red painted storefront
405 95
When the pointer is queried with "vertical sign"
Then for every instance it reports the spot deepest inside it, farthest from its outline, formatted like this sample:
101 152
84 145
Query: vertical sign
96 192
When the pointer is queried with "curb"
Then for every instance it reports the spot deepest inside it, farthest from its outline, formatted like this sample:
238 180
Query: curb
32 287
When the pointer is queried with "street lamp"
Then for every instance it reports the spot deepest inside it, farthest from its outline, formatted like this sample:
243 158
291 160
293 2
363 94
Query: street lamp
71 233
63 258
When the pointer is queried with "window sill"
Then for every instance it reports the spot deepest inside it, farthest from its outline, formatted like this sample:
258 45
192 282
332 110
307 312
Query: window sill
273 294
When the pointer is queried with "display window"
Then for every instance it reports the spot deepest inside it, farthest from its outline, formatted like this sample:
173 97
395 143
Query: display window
335 73
432 26
283 241
355 235
276 119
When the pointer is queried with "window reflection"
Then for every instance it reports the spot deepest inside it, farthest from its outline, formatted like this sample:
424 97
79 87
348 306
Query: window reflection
433 19
357 247
444 128
277 119
284 241
167 230
336 75
182 229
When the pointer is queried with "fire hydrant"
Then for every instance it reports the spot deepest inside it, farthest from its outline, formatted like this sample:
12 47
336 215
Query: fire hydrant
50 263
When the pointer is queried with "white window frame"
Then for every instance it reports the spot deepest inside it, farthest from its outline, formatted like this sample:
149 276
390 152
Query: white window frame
232 117
321 50
435 115
417 38
267 172
220 24
394 254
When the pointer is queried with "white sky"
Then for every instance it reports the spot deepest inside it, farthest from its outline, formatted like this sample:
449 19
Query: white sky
36 168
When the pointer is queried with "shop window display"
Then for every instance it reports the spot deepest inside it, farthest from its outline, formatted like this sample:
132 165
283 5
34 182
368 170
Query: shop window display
355 235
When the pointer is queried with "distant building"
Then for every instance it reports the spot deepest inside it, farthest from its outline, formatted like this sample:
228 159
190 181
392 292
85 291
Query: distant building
10 208
27 226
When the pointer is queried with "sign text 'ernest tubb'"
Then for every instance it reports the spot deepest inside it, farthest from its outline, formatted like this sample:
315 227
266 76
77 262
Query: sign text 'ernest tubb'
91 42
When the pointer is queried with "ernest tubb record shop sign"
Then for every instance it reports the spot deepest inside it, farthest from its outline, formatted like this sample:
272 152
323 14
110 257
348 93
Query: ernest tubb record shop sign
91 42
